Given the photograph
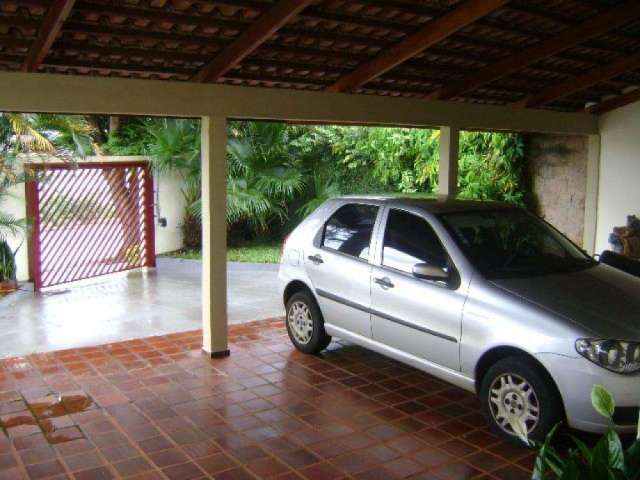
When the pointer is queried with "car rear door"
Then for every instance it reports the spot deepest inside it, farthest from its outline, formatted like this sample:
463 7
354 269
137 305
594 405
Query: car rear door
338 265
417 316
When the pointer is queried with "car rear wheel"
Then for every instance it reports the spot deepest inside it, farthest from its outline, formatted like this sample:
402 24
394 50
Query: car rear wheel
517 395
305 324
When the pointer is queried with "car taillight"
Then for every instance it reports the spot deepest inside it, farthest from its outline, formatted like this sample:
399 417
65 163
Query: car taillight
284 244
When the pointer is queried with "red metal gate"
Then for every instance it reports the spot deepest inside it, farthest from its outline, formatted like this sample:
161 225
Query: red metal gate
89 219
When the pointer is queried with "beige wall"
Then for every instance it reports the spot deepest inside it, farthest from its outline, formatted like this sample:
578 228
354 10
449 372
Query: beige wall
37 92
171 207
557 172
619 186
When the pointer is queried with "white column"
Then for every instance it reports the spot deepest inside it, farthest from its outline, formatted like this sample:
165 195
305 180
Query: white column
591 194
448 173
214 237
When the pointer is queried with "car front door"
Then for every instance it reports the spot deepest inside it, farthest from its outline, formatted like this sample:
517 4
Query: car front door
339 267
417 316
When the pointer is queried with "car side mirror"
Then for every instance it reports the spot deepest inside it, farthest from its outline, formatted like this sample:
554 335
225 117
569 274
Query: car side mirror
429 272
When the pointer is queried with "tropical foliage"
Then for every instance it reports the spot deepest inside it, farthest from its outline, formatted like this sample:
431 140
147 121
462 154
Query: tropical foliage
174 144
263 174
10 226
606 461
278 173
60 135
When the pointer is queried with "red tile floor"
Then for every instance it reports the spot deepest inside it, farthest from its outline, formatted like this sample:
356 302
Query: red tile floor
159 408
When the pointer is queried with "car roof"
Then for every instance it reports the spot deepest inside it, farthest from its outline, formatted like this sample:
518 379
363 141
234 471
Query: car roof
431 203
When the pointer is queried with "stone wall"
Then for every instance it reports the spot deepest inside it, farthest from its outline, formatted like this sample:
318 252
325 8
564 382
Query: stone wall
557 178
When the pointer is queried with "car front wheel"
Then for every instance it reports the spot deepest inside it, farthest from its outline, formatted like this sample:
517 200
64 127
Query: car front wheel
517 396
305 324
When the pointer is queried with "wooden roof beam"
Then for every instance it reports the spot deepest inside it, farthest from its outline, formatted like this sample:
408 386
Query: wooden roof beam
255 35
615 102
572 85
56 14
595 26
435 31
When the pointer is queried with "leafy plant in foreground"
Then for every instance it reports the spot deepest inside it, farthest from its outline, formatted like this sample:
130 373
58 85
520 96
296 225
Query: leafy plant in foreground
606 461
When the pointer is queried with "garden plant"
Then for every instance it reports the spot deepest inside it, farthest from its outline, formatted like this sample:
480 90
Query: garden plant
277 173
607 460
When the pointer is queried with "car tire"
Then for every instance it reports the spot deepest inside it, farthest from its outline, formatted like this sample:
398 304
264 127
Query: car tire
511 390
305 324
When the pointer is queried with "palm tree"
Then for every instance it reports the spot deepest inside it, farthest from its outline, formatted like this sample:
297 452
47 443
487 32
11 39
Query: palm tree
72 135
175 148
323 187
263 174
10 226
18 134
51 134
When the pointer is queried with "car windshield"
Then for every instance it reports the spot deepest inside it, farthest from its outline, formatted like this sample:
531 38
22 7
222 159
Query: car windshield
512 243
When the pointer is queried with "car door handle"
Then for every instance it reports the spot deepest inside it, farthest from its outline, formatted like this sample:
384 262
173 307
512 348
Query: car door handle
317 259
384 282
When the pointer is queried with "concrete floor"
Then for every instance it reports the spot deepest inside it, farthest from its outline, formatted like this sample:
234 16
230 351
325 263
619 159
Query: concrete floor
129 305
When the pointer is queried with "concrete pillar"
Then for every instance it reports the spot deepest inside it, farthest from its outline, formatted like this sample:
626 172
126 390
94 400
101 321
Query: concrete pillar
214 237
591 194
448 174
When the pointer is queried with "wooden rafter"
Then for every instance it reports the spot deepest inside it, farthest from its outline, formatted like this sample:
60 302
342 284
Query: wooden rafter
615 102
56 14
572 85
254 36
433 32
595 26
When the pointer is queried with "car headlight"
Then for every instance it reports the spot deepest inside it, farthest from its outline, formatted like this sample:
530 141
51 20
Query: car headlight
615 355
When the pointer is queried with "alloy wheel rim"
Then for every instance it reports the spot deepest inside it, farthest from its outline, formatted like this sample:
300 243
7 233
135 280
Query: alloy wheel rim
514 404
300 322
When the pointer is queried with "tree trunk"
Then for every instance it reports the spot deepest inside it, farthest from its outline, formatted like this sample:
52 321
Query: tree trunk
99 137
114 124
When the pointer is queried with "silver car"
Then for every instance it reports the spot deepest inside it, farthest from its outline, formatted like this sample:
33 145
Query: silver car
482 295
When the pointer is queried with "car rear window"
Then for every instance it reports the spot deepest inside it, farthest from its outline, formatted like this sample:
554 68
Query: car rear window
349 230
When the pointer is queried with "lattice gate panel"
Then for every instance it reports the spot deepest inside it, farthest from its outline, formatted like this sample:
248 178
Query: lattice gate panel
89 219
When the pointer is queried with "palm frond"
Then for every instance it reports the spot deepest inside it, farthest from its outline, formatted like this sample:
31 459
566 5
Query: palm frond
324 188
27 137
11 226
176 145
280 182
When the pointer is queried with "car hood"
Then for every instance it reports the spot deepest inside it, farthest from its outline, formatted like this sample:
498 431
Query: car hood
601 299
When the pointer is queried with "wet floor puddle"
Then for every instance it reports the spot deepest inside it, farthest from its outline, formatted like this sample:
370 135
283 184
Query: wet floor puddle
49 415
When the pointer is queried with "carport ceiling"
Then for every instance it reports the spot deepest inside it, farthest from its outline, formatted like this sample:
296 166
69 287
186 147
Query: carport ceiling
566 55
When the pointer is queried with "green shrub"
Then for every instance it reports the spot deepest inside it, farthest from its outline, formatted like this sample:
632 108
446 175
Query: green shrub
7 263
606 461
278 173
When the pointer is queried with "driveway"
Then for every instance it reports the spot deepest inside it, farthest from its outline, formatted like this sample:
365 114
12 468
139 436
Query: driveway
129 305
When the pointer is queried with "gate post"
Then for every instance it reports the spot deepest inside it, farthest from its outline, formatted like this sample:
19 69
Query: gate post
149 217
33 215
448 173
214 236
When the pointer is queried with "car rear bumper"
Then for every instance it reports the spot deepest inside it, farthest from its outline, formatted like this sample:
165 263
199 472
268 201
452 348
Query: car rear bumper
575 378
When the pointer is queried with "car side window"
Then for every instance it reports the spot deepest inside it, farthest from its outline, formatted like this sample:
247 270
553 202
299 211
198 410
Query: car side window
349 230
409 239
